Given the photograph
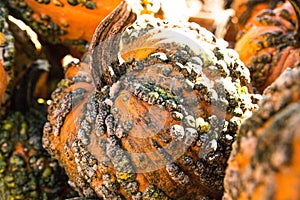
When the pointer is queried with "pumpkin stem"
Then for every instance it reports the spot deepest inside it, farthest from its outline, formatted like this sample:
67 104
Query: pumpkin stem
104 47
296 6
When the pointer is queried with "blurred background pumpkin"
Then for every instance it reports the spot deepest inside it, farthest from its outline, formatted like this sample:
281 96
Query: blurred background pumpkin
270 43
69 22
264 163
27 171
244 11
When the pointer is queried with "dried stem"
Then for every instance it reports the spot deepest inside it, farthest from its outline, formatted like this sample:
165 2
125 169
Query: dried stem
104 46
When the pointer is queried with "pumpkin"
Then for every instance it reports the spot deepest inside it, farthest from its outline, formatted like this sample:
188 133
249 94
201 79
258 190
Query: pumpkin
264 163
270 43
244 11
6 60
27 171
62 21
150 113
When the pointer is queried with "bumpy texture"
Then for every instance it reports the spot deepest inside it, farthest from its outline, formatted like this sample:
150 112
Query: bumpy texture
246 10
6 60
26 170
61 21
264 163
270 43
155 119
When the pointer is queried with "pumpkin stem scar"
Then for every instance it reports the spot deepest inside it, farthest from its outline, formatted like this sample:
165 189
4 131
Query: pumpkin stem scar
104 47
296 6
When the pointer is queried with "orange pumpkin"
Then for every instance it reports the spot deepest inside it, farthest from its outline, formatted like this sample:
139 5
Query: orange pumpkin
6 60
269 43
264 163
152 114
71 22
246 10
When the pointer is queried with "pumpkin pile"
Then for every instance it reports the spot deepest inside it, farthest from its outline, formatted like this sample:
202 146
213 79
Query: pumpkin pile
150 113
6 60
156 107
264 163
269 44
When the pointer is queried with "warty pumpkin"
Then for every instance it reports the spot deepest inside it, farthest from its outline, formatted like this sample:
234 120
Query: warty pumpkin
264 163
150 113
244 11
6 60
27 171
69 22
62 21
270 43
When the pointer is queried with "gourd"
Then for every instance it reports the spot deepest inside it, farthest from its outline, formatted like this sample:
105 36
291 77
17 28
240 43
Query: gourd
150 113
264 163
270 43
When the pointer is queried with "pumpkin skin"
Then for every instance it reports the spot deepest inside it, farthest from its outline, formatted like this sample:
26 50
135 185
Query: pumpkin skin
117 125
264 163
6 60
269 44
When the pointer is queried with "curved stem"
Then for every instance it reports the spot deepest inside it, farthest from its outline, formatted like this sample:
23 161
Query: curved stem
104 47
296 6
